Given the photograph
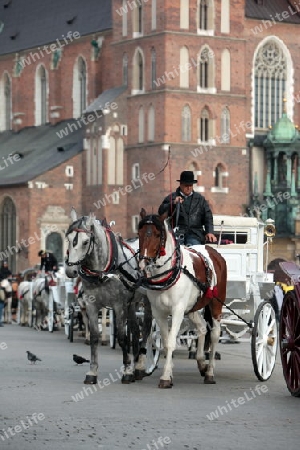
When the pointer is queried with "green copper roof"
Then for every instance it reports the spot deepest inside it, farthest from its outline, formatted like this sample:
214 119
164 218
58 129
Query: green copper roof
283 131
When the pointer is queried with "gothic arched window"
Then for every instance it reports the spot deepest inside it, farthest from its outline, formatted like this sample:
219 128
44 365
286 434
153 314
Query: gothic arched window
8 236
7 102
125 69
270 84
79 87
138 72
186 128
225 126
206 70
41 96
153 68
204 125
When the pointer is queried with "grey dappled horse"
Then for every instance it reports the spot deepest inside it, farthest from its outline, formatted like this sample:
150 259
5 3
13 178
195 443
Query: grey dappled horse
108 268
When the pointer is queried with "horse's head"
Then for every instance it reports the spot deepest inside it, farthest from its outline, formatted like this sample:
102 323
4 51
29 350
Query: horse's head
152 238
80 238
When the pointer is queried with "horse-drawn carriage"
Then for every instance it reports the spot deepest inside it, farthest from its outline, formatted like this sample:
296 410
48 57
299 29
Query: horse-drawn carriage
251 311
289 329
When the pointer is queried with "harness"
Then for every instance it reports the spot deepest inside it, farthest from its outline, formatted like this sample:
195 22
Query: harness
172 275
112 265
22 295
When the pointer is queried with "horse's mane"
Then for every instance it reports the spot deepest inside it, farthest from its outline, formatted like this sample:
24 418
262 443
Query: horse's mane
154 219
80 223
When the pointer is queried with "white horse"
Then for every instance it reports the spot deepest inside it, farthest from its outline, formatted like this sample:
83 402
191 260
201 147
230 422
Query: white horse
24 302
40 300
179 281
108 268
7 287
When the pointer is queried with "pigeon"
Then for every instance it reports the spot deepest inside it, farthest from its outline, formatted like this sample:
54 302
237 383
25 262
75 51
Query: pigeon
80 360
32 358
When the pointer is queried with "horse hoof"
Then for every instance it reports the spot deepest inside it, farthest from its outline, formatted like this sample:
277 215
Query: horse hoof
128 379
218 356
202 369
139 374
192 355
209 379
90 379
165 384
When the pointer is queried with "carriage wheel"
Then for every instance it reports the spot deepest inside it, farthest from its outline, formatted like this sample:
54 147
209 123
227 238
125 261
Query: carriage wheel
71 327
289 336
264 341
153 348
113 329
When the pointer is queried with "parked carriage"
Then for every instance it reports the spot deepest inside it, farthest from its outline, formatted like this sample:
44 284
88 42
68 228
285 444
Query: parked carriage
289 330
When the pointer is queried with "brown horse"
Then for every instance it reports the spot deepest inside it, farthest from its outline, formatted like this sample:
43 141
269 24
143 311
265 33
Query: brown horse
180 280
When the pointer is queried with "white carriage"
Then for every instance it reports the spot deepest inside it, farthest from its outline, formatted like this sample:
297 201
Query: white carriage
250 289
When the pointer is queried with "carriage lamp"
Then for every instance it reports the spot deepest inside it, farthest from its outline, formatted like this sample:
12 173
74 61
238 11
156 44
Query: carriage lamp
269 232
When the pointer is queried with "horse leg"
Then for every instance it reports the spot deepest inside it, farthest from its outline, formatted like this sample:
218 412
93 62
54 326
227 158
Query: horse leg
7 311
103 322
45 311
22 312
214 339
92 315
26 311
134 333
86 326
200 324
38 313
166 380
123 336
140 365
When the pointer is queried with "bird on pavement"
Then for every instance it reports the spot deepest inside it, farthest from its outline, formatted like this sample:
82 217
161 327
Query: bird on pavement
32 358
80 360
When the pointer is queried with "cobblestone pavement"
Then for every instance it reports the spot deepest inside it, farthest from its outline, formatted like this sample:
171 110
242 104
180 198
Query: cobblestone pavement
47 406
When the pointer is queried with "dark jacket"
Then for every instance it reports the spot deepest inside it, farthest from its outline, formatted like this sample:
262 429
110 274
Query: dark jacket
197 220
48 262
4 273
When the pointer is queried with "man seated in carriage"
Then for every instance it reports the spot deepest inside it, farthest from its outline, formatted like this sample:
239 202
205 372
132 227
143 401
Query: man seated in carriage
195 219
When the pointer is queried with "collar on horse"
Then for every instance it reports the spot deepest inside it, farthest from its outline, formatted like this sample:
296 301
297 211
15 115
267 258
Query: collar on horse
112 260
171 276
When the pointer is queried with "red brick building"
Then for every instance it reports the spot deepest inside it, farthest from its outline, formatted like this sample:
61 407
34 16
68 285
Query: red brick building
124 95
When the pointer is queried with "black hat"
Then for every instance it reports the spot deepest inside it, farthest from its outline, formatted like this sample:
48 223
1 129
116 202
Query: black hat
187 177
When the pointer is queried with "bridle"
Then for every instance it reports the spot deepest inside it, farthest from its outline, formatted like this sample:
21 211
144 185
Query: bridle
163 280
152 220
75 241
